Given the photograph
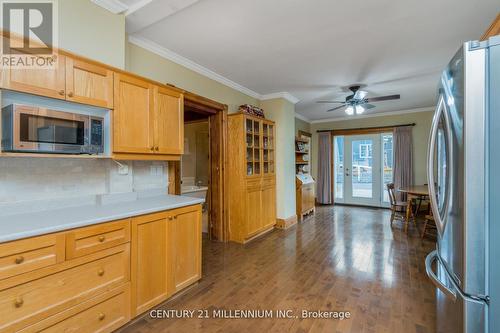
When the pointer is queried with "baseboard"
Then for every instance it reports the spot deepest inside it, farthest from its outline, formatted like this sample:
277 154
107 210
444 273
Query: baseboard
286 223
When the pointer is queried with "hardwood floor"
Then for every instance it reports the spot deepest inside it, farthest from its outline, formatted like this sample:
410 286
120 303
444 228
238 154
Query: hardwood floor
342 259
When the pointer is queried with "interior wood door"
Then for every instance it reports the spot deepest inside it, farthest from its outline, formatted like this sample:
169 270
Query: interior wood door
43 82
253 211
149 266
88 83
184 239
133 121
169 121
268 206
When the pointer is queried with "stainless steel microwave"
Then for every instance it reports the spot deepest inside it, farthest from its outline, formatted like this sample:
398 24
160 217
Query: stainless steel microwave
40 130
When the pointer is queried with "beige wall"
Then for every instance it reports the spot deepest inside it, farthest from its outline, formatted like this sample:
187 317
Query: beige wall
195 159
283 113
301 125
90 31
155 67
420 137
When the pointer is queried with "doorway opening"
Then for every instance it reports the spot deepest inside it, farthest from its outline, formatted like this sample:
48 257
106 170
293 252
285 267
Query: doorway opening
200 173
363 166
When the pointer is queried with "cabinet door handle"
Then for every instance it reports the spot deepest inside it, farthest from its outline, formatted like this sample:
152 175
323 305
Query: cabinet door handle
18 302
100 272
102 238
19 260
70 94
170 218
61 92
152 148
157 148
101 316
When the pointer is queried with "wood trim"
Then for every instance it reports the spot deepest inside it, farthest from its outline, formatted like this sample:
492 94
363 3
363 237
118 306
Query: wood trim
145 157
367 130
493 30
192 98
303 133
286 223
174 169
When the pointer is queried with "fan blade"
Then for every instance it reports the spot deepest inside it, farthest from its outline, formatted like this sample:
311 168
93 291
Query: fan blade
383 98
338 107
360 94
330 102
368 106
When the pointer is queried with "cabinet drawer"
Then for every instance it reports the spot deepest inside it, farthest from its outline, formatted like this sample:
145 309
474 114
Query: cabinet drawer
33 301
26 255
87 240
105 313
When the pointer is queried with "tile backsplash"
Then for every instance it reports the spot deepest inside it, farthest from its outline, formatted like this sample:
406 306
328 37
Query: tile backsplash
26 179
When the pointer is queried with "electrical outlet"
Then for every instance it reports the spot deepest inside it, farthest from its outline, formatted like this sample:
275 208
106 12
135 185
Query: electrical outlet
123 169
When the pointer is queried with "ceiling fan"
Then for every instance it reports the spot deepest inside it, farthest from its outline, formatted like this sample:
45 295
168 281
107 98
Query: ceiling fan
357 102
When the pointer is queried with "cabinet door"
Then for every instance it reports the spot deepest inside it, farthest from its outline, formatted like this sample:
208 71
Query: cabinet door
184 239
149 261
88 83
253 211
43 82
268 206
169 121
133 124
307 197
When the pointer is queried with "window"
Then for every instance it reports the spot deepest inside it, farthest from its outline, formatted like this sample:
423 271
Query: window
365 150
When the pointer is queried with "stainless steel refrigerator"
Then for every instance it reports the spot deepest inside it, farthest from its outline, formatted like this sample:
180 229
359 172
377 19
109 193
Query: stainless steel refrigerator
464 187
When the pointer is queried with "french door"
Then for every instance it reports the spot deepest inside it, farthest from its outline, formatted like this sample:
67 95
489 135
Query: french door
362 168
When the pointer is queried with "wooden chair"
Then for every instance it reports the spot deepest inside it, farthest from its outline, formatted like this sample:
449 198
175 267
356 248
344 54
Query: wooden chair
430 223
398 208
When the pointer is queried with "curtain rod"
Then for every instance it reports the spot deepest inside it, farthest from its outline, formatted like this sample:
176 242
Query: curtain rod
366 128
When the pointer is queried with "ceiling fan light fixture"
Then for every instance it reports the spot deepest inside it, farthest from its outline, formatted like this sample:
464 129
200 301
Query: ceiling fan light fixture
359 109
349 110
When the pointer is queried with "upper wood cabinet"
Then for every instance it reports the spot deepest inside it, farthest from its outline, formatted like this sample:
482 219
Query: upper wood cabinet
72 80
147 119
169 121
88 83
44 82
493 30
133 126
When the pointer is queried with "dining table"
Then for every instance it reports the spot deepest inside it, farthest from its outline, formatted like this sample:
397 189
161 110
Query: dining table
419 192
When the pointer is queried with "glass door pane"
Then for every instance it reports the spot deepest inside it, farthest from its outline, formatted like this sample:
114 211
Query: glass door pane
387 164
362 168
250 146
339 167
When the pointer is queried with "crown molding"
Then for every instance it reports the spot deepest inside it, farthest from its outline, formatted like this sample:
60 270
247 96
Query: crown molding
114 6
285 95
382 114
178 59
301 117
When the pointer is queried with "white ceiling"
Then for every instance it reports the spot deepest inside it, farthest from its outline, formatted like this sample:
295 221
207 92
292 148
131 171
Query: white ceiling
313 48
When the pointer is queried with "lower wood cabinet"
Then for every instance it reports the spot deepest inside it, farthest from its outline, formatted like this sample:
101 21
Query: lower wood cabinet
96 278
149 261
184 241
166 255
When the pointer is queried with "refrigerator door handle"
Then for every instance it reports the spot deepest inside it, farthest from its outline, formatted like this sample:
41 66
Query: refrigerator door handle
430 163
431 257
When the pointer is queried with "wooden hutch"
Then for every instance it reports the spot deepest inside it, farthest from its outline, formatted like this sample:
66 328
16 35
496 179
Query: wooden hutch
251 176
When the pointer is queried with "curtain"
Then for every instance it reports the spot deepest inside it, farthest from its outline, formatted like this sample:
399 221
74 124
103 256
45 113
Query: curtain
403 158
324 188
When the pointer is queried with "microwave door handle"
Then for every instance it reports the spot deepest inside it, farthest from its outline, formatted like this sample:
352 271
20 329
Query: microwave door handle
429 260
430 165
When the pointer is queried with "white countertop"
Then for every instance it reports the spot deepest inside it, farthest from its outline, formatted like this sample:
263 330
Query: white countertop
21 225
